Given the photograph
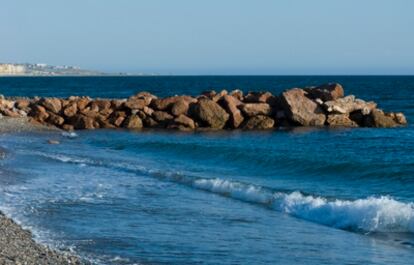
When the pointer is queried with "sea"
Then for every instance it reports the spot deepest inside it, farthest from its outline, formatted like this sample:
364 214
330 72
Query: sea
290 196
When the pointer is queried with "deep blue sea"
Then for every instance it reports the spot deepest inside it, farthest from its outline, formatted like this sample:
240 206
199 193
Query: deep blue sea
299 196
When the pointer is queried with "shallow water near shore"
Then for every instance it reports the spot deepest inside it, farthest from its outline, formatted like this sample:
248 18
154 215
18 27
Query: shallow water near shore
314 196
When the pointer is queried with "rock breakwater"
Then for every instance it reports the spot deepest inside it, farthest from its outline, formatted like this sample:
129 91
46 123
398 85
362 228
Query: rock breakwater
325 105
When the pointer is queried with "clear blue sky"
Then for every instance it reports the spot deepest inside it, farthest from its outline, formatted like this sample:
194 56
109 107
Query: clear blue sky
212 36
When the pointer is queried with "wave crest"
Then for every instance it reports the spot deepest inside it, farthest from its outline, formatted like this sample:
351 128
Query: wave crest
372 214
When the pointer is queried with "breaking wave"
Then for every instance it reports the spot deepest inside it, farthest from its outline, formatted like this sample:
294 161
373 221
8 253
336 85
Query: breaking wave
372 214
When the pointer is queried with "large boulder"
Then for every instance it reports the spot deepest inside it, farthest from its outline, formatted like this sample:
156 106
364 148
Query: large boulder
398 117
55 119
150 122
182 123
301 109
133 122
117 104
210 114
100 104
349 104
260 122
81 122
254 109
340 120
52 104
117 118
181 106
165 104
89 112
147 111
10 112
326 92
136 103
103 122
380 119
71 109
231 105
6 104
145 96
39 113
162 116
82 102
22 104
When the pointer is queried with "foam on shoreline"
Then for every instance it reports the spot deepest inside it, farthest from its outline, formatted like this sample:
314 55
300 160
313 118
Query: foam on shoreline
18 247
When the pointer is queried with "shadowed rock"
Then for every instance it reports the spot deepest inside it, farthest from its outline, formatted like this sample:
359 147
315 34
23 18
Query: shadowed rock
259 122
231 105
162 117
326 92
340 120
55 119
83 122
261 97
379 119
182 123
39 113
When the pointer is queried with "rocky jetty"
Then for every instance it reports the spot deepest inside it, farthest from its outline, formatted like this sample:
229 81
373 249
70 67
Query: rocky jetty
325 105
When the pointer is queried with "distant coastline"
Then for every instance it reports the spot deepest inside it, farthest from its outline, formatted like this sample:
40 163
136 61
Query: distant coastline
45 70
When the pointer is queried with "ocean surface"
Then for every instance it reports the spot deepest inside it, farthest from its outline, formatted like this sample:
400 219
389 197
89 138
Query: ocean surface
298 196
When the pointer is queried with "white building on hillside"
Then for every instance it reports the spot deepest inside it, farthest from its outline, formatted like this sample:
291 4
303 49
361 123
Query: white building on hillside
12 69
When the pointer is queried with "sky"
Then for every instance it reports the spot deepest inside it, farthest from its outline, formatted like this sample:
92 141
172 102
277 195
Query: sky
207 37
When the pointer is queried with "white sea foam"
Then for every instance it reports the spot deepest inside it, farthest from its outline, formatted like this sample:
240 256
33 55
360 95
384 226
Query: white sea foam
379 214
64 158
69 134
372 214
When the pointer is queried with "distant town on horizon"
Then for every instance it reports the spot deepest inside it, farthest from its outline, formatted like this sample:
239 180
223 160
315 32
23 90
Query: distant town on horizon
42 69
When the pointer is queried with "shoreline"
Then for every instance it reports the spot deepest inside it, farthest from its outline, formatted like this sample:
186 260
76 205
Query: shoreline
22 124
325 106
17 245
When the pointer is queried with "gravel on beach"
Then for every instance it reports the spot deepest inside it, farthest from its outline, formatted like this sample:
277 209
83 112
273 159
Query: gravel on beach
18 247
15 125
